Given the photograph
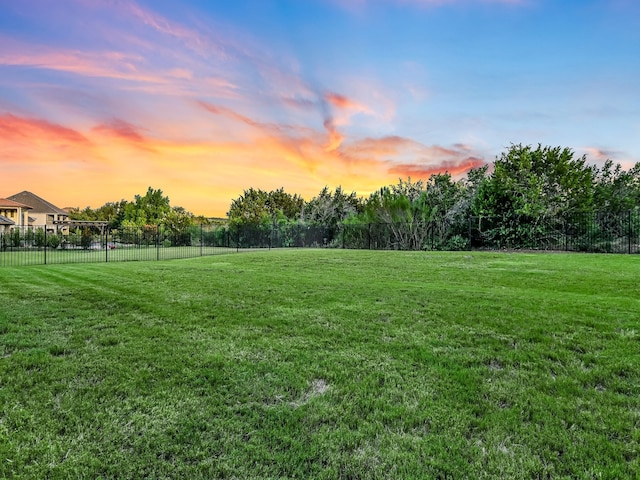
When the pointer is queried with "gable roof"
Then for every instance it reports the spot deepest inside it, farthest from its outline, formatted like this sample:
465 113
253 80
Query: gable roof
38 204
5 202
6 221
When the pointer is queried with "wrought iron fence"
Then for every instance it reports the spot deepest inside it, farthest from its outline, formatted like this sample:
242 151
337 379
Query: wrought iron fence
39 245
593 232
589 232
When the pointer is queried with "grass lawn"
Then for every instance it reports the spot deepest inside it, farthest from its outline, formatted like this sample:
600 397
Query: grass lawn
323 364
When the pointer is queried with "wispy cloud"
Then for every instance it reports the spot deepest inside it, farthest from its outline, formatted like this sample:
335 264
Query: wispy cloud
453 167
144 99
20 129
359 5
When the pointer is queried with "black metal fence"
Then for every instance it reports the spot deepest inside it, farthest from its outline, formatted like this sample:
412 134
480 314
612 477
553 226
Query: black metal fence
39 245
593 232
590 232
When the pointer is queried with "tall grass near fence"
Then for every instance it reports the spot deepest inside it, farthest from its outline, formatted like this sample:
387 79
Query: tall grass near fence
323 364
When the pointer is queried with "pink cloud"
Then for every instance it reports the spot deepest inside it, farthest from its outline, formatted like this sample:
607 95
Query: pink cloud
115 65
453 167
14 128
122 130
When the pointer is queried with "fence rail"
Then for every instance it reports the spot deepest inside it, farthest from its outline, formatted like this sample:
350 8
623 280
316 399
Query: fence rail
593 232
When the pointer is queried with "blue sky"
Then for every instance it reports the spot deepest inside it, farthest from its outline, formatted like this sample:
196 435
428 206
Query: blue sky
204 99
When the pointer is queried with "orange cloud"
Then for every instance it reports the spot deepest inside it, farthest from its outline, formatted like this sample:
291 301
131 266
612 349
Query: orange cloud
21 129
340 101
121 130
453 167
203 176
184 110
335 137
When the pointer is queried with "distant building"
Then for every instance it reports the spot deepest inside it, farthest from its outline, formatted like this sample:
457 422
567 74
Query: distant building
13 214
41 212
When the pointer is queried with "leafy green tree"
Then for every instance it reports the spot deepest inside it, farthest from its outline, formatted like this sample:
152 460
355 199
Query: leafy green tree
445 202
331 208
405 208
250 208
86 238
536 183
258 207
112 212
282 205
616 190
39 238
15 237
149 209
178 220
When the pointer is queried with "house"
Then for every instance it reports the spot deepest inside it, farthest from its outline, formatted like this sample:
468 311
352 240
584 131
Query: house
5 224
13 214
42 213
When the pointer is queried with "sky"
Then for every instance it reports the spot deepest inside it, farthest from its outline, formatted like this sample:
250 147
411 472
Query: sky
203 99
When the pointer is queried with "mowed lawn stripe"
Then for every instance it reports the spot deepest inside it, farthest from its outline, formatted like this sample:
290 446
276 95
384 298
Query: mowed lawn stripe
322 364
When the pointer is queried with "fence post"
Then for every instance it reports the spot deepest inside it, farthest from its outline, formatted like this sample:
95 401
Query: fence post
45 243
629 230
470 221
106 245
201 239
157 242
369 235
432 227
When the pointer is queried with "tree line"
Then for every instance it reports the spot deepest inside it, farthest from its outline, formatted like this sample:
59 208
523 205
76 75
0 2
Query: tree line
532 184
152 209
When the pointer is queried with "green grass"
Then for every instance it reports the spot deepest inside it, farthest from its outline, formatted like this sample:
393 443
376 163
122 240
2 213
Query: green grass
323 364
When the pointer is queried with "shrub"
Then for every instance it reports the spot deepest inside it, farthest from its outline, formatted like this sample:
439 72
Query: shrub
39 239
86 239
53 241
457 243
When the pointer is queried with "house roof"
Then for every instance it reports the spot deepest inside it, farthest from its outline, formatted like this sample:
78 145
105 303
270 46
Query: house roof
38 204
5 202
6 221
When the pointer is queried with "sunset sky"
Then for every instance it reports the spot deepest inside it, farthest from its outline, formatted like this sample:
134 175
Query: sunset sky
100 99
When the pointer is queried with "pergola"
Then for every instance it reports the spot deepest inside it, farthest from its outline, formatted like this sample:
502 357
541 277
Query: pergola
102 225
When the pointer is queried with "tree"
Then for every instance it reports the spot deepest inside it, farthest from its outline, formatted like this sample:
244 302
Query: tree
282 205
445 201
250 208
149 209
331 208
178 220
536 183
405 209
616 190
258 207
112 212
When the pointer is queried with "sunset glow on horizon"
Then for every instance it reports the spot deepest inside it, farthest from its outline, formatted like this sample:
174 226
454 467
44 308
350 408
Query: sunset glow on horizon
203 99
